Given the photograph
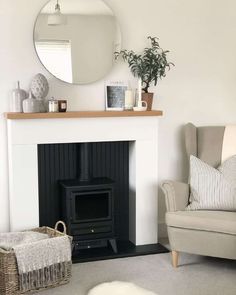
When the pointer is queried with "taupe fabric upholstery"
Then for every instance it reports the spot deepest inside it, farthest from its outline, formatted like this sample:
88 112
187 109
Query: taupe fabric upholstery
190 132
217 221
211 233
204 143
209 144
202 242
177 195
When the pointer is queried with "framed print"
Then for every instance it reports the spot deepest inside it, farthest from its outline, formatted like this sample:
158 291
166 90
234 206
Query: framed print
115 95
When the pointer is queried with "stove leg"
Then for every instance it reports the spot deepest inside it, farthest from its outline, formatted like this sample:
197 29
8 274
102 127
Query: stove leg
113 245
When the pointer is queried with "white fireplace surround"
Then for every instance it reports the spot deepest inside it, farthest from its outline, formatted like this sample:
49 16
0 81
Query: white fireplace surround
25 134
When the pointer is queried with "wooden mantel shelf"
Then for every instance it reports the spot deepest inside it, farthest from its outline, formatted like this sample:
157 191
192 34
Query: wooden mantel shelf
81 114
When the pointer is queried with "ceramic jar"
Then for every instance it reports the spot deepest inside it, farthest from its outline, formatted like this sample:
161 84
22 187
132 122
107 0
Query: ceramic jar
31 105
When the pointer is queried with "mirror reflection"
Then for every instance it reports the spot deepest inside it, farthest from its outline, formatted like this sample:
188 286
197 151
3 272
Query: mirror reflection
76 39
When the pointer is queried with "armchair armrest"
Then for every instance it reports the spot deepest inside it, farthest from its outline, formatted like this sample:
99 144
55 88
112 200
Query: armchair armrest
176 195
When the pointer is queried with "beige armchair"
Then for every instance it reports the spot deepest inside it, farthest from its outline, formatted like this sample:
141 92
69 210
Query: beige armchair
210 233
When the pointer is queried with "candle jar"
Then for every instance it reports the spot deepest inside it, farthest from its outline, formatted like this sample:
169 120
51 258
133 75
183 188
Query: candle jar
52 105
62 105
136 98
129 100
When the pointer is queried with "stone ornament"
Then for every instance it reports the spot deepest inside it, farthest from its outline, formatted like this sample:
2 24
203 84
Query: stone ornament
39 86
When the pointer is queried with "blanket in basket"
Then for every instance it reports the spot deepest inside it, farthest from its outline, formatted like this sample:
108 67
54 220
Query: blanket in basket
9 240
41 260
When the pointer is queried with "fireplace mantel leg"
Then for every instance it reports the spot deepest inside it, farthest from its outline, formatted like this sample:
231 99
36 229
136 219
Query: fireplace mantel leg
24 205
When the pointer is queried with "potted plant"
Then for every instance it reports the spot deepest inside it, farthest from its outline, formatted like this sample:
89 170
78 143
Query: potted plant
150 66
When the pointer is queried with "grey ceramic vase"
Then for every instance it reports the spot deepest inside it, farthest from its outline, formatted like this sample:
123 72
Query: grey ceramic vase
31 105
18 95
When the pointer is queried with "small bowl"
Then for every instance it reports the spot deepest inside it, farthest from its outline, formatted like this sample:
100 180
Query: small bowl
139 109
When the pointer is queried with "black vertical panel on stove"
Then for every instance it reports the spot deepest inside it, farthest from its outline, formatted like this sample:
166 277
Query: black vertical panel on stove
111 159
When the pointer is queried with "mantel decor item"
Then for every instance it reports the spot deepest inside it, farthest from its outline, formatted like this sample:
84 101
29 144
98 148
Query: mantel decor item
149 67
115 95
53 105
141 106
129 99
31 104
18 95
39 88
62 105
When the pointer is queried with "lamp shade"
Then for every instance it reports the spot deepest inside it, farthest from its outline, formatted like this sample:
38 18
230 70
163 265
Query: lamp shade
56 18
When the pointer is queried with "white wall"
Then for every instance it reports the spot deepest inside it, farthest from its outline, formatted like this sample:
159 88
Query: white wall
201 88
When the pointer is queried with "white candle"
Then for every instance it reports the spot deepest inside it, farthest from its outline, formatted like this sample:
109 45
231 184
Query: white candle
129 99
139 89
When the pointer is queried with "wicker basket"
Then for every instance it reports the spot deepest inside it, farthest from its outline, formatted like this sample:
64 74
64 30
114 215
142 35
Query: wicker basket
9 284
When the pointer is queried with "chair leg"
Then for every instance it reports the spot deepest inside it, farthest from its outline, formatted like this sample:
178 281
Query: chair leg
175 256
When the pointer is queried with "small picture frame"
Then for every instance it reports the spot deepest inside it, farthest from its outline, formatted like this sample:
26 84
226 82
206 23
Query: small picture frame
115 95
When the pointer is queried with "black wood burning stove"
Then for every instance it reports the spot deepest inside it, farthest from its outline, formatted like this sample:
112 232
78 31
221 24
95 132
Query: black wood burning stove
88 210
88 207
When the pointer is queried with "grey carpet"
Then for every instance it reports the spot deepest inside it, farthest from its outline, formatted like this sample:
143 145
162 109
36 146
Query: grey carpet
196 275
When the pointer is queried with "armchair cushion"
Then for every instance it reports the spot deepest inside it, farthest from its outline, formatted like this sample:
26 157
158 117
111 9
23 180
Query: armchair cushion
213 221
212 189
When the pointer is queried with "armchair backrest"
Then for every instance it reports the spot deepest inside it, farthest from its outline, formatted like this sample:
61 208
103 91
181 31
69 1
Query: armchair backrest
205 143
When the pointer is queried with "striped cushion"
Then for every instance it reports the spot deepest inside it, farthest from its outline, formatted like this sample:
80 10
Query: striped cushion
212 189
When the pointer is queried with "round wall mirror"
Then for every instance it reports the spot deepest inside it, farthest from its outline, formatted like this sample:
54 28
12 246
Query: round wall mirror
76 39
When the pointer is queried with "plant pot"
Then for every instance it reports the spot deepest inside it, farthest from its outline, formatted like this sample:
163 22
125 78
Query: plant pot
148 97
